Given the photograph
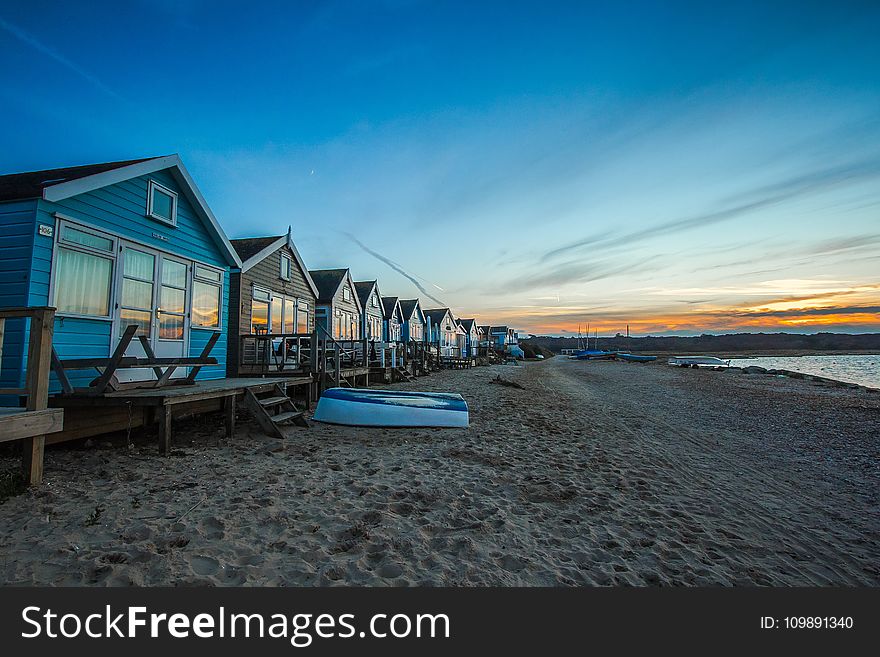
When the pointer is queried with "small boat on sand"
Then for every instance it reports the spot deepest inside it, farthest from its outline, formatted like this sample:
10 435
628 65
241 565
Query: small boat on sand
635 358
391 408
594 354
699 361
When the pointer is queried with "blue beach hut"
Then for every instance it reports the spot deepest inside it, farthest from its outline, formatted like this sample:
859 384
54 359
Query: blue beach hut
110 245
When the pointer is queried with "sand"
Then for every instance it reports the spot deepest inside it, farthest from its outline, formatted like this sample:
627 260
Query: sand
597 473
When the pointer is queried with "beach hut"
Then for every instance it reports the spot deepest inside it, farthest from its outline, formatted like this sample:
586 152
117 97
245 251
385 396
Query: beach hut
272 294
393 321
372 314
337 310
413 329
443 330
112 245
501 337
472 333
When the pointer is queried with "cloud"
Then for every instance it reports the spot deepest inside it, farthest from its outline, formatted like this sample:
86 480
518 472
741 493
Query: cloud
579 271
32 41
757 199
396 268
812 312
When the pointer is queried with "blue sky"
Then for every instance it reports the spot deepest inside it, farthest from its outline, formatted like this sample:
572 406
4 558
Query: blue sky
676 166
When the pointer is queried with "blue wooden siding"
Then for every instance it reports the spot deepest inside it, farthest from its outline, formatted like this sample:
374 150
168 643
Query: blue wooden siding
16 242
198 338
119 209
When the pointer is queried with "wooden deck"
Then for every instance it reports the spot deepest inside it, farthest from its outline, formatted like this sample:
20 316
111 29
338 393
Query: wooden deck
90 415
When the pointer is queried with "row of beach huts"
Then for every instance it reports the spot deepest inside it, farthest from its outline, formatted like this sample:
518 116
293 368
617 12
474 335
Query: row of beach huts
123 303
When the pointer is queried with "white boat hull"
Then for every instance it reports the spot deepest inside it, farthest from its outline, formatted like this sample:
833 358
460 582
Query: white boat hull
389 408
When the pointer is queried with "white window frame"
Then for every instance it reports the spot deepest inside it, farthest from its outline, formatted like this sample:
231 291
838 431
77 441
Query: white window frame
289 260
73 246
346 293
221 283
152 186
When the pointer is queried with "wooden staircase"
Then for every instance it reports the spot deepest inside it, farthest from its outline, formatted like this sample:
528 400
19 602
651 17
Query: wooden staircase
402 374
274 409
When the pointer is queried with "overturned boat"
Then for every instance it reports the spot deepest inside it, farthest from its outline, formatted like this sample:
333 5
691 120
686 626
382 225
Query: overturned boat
635 358
391 408
594 354
699 361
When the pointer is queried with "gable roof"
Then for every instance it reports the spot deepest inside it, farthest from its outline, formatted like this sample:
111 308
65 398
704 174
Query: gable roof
364 289
248 247
30 184
468 324
60 184
328 282
436 315
252 250
408 306
388 305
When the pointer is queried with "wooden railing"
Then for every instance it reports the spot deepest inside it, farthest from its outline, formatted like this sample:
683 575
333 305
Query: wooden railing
39 353
36 388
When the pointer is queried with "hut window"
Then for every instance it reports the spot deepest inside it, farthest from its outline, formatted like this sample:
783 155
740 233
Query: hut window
277 310
375 302
286 267
207 297
161 203
346 294
302 316
83 271
289 312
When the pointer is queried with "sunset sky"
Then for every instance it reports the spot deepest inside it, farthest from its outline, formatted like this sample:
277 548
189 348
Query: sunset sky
678 167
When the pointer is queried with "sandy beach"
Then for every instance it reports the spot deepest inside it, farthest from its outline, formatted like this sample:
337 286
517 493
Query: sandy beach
596 473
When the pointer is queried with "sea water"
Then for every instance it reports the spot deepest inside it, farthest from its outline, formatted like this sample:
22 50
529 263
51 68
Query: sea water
862 369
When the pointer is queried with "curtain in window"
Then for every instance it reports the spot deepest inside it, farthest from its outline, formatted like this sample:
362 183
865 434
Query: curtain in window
82 283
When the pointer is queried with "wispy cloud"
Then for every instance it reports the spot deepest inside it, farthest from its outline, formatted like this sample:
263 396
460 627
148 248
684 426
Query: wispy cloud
26 37
412 279
758 199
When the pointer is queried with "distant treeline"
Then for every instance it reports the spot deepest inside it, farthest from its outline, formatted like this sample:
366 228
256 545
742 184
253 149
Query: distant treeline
731 343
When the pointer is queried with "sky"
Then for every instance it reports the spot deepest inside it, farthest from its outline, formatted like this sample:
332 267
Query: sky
679 168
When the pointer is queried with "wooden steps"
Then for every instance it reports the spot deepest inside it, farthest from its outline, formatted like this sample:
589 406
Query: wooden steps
401 374
273 410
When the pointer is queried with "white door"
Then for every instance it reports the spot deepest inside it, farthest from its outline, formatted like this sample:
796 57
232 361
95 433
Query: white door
154 294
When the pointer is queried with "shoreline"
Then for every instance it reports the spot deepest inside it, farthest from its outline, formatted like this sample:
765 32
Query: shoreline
597 473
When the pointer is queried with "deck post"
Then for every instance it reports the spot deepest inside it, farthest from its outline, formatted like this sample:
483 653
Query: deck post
229 410
313 364
37 386
164 414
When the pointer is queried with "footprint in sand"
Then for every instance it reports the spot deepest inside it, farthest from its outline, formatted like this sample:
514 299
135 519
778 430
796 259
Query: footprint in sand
212 527
202 565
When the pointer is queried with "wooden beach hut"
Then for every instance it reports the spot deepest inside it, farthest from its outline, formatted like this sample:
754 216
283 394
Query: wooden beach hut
138 270
444 331
413 329
393 320
472 337
272 301
337 310
372 313
112 245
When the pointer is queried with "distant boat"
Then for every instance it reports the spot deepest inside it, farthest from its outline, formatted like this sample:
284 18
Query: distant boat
636 358
699 361
391 408
594 354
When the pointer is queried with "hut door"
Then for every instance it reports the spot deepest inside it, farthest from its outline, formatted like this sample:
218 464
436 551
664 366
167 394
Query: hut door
152 293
